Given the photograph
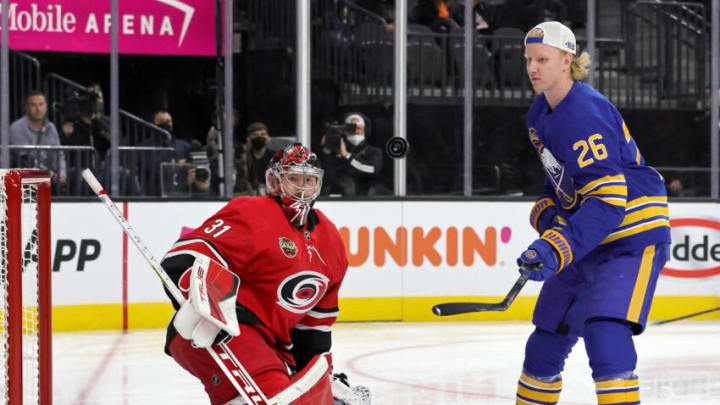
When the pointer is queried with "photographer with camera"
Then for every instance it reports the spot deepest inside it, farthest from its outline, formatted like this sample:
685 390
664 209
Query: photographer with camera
186 155
251 160
351 164
85 122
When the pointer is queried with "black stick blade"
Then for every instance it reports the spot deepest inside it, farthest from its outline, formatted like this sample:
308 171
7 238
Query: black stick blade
456 308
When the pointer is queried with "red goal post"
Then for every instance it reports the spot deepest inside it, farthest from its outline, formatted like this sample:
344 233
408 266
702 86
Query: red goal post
25 292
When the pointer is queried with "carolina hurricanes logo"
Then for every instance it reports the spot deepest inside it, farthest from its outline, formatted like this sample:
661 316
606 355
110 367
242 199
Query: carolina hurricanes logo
300 292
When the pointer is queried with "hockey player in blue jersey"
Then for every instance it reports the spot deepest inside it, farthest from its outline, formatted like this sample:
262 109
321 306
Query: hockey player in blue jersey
603 225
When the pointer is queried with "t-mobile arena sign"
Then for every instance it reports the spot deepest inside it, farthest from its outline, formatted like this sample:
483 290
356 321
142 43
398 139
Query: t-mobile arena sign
157 27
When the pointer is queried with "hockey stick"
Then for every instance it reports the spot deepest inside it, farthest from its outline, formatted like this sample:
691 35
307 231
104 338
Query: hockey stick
680 318
455 308
226 360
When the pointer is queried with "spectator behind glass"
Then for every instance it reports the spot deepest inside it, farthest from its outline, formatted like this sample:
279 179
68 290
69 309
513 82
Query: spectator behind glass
434 14
180 154
483 15
85 122
35 129
251 160
352 165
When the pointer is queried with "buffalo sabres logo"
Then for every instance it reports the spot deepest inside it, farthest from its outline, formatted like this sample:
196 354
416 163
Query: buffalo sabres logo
564 186
300 292
288 247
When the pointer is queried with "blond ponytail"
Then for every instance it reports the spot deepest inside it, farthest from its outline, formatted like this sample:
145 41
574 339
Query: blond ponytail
580 66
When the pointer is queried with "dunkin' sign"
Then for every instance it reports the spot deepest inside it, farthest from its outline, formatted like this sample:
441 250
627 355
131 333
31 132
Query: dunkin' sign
695 251
158 27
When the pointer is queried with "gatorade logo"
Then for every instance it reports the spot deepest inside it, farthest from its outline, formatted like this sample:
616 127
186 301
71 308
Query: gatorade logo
424 247
695 252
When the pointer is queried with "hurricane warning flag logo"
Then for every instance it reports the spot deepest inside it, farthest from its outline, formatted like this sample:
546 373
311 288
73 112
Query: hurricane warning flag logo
300 292
288 247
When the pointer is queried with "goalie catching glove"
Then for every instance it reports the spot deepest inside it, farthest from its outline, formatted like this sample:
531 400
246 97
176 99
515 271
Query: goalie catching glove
210 307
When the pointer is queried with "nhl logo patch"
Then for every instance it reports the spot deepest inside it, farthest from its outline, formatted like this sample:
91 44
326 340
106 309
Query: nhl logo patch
288 247
534 138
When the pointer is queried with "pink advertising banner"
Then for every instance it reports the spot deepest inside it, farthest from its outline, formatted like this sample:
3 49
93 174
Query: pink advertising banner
155 27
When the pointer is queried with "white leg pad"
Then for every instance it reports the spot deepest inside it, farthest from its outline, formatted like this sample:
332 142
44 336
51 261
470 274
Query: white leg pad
312 379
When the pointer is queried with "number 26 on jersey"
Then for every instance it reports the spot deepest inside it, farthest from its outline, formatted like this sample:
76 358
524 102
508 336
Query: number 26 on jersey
593 145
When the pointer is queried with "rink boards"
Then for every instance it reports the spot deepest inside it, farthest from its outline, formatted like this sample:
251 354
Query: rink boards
405 256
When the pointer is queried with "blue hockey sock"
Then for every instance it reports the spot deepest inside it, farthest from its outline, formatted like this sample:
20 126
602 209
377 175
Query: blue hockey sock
546 352
609 347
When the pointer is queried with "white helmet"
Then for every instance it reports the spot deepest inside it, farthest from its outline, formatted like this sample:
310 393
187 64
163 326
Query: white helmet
294 178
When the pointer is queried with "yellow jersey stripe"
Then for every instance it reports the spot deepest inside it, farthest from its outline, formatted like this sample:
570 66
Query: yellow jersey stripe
646 200
615 384
635 230
618 398
626 131
537 395
620 202
641 284
616 190
644 213
606 179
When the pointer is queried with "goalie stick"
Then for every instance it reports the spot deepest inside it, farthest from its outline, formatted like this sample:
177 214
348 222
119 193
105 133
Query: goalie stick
226 360
456 308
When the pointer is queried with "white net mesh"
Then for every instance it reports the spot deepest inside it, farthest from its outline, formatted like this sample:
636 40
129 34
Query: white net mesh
30 296
3 290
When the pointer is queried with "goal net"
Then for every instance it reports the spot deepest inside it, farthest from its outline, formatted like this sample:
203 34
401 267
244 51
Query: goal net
25 324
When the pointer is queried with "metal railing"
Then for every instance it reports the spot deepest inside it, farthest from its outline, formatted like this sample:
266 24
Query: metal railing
667 55
62 91
25 74
660 61
687 181
70 160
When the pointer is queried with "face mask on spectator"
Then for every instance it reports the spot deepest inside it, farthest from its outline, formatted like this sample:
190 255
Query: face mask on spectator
258 143
355 139
166 126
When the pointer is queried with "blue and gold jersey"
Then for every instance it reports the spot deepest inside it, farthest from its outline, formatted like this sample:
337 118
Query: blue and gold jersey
607 199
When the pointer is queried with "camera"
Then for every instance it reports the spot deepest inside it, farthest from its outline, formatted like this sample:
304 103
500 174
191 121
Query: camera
199 161
78 104
334 133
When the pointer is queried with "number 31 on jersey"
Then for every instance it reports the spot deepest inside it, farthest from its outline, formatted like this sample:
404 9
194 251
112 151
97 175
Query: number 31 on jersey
217 226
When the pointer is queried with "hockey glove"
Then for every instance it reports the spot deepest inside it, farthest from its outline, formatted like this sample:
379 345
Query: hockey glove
539 261
209 313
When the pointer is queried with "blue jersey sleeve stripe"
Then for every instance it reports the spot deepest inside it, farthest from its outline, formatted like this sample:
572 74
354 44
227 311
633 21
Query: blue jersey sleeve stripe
644 213
634 230
616 190
632 204
601 181
612 200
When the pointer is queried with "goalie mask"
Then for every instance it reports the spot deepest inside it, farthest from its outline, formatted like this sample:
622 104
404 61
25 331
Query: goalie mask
294 178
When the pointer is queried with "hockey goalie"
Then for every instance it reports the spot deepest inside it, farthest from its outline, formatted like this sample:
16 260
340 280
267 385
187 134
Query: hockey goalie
262 276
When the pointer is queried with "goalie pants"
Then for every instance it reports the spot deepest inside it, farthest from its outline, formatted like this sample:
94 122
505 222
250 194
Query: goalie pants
264 363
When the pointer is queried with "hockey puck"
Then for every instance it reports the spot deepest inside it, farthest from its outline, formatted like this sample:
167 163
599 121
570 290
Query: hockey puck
396 147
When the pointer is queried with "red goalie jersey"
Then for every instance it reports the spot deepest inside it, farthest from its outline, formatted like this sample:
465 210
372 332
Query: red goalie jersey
290 277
